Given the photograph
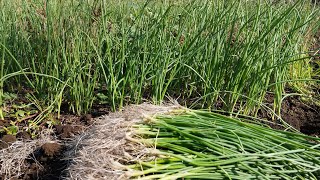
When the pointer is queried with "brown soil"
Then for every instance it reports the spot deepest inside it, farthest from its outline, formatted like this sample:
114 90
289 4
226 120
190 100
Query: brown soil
50 157
51 149
6 140
48 161
301 115
66 131
23 135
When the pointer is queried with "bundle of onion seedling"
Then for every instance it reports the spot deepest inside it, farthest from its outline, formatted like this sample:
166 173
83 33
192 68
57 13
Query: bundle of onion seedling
192 144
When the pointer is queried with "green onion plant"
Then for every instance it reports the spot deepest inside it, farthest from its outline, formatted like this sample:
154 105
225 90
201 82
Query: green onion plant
197 144
206 51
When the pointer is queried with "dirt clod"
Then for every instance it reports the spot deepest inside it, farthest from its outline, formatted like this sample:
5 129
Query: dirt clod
67 131
23 135
51 149
6 140
87 119
46 162
9 138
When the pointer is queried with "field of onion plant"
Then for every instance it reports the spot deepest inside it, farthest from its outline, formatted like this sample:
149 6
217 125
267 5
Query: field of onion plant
76 53
232 56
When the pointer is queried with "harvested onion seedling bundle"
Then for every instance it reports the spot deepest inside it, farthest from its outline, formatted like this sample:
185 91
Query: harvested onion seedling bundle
191 144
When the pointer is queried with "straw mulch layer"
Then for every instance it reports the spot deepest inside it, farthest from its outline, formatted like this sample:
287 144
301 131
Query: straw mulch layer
99 152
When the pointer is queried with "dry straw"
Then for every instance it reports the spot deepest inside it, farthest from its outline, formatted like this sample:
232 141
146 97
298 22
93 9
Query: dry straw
100 151
12 159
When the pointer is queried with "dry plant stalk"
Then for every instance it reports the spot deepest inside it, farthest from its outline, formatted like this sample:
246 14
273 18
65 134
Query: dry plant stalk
99 153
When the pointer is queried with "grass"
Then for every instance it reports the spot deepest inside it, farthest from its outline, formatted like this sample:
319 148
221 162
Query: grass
195 144
77 53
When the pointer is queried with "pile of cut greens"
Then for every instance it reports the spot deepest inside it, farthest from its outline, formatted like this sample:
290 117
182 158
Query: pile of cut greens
194 144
